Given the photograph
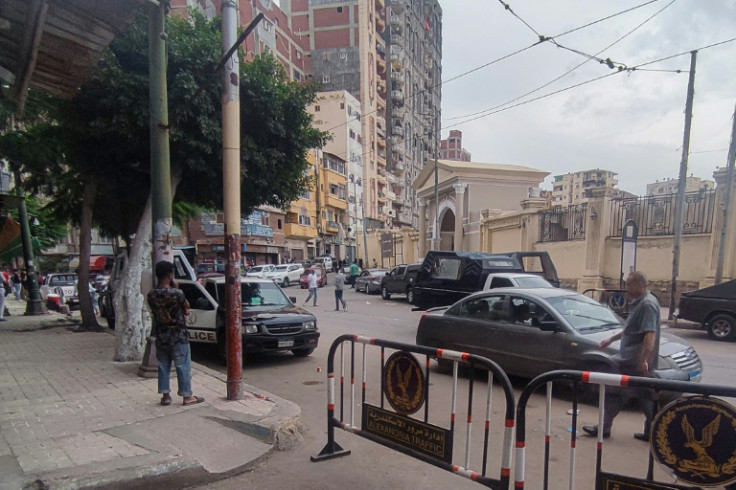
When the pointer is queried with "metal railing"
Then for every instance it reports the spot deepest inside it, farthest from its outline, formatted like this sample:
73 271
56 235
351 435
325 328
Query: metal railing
659 388
655 215
561 224
419 437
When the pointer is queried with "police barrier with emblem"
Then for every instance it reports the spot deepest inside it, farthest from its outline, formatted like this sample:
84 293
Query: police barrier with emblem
693 438
404 383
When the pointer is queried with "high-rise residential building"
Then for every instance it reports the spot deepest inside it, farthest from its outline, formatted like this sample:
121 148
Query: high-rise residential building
571 188
347 52
339 112
669 186
452 147
395 74
415 71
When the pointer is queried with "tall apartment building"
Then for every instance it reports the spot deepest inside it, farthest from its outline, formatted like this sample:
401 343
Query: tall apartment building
347 52
571 188
395 73
669 186
452 147
415 39
339 112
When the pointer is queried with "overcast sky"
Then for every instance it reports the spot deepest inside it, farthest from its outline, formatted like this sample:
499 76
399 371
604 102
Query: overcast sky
631 123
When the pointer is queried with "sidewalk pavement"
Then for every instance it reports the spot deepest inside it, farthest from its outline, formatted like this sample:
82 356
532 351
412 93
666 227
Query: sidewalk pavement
70 417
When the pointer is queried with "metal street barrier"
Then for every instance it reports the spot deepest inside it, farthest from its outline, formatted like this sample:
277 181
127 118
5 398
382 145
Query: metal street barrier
405 385
694 437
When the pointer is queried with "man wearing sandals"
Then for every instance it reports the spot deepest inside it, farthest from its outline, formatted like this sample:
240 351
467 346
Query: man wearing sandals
169 309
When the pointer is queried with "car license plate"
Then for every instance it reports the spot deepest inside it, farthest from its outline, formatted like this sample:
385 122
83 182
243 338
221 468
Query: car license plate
695 374
286 343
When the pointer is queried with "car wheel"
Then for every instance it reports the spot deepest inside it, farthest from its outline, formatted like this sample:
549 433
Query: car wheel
410 296
302 352
722 327
285 283
384 293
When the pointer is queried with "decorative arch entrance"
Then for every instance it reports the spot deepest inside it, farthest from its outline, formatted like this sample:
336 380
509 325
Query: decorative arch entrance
447 229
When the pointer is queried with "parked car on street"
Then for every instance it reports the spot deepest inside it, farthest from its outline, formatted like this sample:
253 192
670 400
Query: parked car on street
531 331
318 271
713 307
400 281
325 261
260 270
285 274
271 321
369 281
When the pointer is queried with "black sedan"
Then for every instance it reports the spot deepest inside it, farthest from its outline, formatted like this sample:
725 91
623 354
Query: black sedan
531 331
369 281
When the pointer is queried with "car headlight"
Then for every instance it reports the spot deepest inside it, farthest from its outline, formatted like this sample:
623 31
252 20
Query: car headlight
310 325
251 328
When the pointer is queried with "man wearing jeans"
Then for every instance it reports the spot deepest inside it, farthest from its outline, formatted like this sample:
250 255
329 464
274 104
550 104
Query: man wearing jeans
312 284
169 309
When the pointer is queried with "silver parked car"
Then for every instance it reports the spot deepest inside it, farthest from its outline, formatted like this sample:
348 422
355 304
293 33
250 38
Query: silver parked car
531 331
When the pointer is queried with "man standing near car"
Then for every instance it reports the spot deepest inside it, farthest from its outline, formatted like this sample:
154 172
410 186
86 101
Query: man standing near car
169 308
638 355
353 273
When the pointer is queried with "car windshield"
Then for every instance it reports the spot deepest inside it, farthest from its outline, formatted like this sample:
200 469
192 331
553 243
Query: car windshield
258 268
260 295
583 313
532 282
280 268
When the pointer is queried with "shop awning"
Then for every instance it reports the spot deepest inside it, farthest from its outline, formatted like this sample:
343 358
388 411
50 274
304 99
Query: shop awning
96 263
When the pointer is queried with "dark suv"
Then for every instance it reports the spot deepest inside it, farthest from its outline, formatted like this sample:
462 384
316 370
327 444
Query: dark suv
400 281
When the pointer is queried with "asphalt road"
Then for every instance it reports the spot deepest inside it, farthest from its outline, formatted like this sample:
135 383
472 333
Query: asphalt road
373 466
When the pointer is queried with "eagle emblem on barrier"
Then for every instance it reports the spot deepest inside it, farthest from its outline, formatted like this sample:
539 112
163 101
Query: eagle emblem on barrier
696 439
403 383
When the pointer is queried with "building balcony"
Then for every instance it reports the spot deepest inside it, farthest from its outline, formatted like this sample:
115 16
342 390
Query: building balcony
380 4
335 202
390 195
399 167
380 63
381 171
332 227
397 96
380 24
396 21
300 232
396 76
381 143
397 63
381 87
381 197
397 131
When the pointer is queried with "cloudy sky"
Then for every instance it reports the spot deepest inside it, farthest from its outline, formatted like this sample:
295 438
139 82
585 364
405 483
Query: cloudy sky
630 122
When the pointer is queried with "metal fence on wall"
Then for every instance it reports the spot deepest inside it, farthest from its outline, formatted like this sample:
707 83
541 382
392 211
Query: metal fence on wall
655 215
562 224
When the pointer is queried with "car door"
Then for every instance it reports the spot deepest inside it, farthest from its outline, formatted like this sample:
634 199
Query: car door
538 351
479 325
396 280
202 318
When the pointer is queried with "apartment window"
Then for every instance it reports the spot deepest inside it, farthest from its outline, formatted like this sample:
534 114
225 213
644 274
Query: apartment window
297 76
298 55
279 224
305 194
268 26
305 220
333 189
341 191
339 10
350 110
352 134
342 105
325 79
316 108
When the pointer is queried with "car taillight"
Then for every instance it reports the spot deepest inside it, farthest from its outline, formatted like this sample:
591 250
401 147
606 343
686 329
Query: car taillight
375 279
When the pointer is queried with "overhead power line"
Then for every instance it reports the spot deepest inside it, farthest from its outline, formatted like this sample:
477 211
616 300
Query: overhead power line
492 62
572 69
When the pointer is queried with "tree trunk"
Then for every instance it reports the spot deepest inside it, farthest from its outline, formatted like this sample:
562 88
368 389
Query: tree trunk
89 319
132 319
132 323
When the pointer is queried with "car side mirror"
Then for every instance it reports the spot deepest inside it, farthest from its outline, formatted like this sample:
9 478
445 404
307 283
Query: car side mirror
548 326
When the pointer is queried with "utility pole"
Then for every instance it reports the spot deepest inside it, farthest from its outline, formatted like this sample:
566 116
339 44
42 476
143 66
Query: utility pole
35 305
231 199
681 184
159 131
437 237
730 162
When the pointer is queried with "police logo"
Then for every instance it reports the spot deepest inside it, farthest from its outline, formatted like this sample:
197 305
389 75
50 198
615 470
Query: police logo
404 383
696 439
